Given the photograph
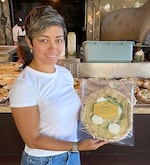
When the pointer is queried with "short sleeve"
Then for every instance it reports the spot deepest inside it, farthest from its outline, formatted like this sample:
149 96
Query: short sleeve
21 95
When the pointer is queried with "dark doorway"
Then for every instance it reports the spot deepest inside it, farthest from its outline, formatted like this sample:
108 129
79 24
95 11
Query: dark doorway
72 10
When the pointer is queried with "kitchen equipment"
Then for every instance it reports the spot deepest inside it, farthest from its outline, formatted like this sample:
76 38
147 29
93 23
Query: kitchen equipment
107 51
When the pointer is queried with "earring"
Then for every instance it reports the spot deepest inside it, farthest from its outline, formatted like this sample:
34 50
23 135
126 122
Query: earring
31 51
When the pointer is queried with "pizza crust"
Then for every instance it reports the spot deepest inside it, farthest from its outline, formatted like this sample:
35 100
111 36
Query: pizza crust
144 95
3 95
146 84
122 121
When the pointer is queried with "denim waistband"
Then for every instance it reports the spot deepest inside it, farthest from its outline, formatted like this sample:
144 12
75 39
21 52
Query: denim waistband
67 158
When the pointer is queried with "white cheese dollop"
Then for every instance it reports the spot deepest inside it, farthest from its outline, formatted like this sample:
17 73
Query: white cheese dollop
114 128
101 99
97 119
119 110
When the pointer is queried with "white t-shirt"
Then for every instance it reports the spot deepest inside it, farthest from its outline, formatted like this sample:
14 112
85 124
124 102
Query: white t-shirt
58 103
17 31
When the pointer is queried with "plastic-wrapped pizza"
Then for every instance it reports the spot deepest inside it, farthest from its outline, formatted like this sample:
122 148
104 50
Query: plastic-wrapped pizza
107 114
3 95
144 96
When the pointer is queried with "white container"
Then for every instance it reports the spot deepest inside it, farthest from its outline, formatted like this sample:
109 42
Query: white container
71 44
108 51
139 56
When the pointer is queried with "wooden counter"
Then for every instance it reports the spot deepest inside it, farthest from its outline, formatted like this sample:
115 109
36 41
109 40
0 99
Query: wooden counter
137 110
6 51
11 144
138 154
142 110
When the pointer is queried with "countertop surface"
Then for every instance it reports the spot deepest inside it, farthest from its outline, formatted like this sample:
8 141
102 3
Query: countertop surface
137 110
7 49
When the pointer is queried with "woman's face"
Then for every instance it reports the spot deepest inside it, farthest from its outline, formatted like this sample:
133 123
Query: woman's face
48 46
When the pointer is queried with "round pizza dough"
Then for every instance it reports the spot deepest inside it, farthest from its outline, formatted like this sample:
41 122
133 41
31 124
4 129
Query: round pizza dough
3 95
144 96
107 115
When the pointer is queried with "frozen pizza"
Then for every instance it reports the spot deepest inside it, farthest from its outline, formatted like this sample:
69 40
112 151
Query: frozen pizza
144 96
3 95
107 114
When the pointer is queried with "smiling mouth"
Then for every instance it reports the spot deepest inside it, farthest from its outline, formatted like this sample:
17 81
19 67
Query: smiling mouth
52 56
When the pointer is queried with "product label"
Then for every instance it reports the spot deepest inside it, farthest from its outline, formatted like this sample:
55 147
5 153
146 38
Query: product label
106 109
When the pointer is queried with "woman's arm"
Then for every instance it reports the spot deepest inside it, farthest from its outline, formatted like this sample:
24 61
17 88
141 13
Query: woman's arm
27 122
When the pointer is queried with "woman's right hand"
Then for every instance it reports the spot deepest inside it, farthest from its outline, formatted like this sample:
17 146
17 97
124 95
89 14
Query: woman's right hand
90 144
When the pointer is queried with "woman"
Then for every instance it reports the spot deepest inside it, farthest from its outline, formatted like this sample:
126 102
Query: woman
44 103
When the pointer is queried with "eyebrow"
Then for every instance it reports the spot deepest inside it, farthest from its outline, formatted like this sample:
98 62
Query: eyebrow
48 36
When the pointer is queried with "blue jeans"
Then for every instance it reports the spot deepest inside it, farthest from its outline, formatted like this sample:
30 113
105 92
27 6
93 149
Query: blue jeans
68 158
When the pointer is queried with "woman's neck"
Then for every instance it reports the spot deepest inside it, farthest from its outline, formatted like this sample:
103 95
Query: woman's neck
42 68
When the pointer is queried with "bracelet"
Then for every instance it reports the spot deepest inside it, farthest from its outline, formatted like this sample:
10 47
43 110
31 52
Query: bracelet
74 147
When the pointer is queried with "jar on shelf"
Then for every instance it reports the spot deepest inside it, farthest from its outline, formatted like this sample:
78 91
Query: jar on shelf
71 44
139 56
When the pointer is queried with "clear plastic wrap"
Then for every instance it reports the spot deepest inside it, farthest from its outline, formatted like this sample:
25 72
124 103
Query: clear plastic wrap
107 110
